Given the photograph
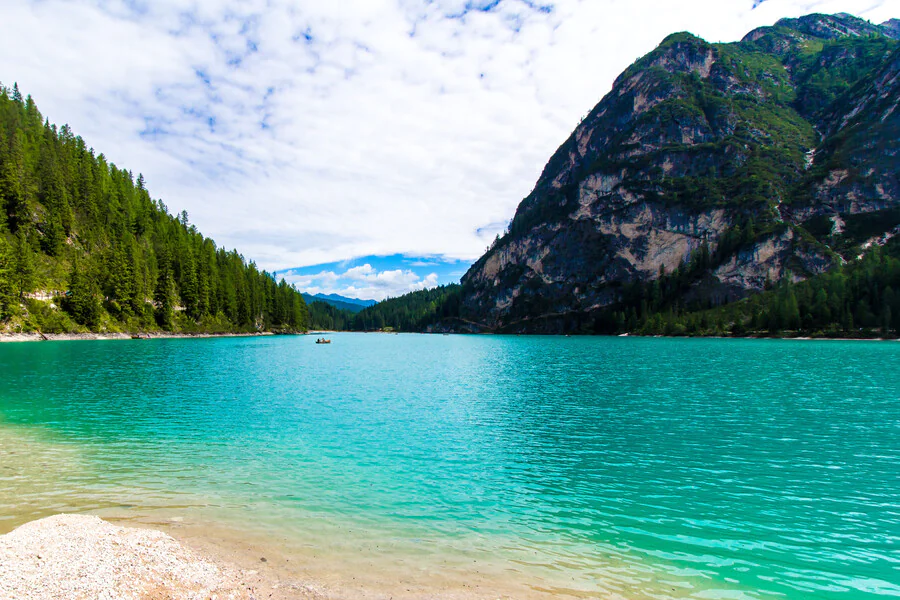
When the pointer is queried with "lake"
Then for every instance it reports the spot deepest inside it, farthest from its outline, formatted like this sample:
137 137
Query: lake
582 466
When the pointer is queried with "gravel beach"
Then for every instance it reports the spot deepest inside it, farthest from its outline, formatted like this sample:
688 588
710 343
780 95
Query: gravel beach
80 557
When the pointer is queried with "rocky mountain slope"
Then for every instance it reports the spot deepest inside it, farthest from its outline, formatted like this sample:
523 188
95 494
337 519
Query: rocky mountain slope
727 166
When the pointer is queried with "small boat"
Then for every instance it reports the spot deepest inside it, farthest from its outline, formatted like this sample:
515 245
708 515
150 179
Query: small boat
323 341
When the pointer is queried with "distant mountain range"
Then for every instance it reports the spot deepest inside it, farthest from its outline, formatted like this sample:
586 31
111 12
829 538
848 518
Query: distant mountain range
353 305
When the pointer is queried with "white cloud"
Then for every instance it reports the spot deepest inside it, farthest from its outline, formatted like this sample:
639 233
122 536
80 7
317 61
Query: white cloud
363 282
305 282
310 132
360 273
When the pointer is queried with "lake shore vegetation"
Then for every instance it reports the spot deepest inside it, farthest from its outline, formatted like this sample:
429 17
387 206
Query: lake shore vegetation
85 248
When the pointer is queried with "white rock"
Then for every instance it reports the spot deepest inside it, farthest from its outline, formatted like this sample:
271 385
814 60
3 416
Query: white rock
80 557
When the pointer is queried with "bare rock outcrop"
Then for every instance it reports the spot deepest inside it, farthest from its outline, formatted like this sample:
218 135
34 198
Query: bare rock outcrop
726 161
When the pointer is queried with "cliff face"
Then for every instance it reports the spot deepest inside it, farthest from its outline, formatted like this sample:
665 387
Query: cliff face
891 28
761 156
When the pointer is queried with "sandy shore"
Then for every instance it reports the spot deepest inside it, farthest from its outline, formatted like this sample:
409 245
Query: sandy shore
80 556
52 337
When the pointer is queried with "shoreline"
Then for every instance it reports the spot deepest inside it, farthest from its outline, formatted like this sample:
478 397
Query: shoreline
630 335
325 559
156 558
7 337
160 335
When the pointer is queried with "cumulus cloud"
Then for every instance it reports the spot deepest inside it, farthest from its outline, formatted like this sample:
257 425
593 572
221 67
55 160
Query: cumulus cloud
363 282
360 273
307 132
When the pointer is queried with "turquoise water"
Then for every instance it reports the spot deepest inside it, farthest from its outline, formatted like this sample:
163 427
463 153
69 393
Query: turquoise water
647 467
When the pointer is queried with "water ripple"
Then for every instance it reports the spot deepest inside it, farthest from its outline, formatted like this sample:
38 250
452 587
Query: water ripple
644 467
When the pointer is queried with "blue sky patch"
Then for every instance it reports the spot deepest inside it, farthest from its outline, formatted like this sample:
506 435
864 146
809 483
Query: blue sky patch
376 277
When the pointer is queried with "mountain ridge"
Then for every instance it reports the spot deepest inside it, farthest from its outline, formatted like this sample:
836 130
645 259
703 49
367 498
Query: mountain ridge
735 154
347 299
352 305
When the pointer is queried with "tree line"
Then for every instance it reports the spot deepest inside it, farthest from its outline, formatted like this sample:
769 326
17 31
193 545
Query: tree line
858 299
89 235
412 312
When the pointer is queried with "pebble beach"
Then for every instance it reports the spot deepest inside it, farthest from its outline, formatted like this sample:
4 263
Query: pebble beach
83 557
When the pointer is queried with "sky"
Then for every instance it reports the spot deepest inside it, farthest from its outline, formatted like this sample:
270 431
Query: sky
320 137
377 277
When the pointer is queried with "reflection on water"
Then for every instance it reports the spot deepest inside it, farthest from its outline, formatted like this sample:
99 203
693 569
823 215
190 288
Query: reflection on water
647 467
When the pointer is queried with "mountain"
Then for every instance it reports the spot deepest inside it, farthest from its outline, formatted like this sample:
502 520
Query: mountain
709 173
345 299
415 312
352 305
84 246
891 28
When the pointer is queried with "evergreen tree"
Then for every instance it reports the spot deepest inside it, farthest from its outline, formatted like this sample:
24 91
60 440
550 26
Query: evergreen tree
120 283
7 288
164 295
83 297
24 276
13 185
61 198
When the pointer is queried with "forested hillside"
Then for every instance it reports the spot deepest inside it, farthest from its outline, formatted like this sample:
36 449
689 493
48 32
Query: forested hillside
83 246
413 312
855 300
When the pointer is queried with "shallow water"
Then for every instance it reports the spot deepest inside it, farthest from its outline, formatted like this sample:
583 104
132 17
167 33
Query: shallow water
645 467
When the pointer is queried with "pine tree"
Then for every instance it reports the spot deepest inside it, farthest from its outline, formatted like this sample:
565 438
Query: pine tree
820 310
120 278
164 295
190 294
24 276
7 288
12 185
83 301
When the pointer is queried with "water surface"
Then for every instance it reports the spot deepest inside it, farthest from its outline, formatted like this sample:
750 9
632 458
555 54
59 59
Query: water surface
645 467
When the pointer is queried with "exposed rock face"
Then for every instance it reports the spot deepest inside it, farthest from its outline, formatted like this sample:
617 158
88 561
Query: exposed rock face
891 28
858 165
726 148
831 27
769 258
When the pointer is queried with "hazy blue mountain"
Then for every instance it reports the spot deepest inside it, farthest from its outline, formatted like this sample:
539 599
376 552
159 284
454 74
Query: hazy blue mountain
353 305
